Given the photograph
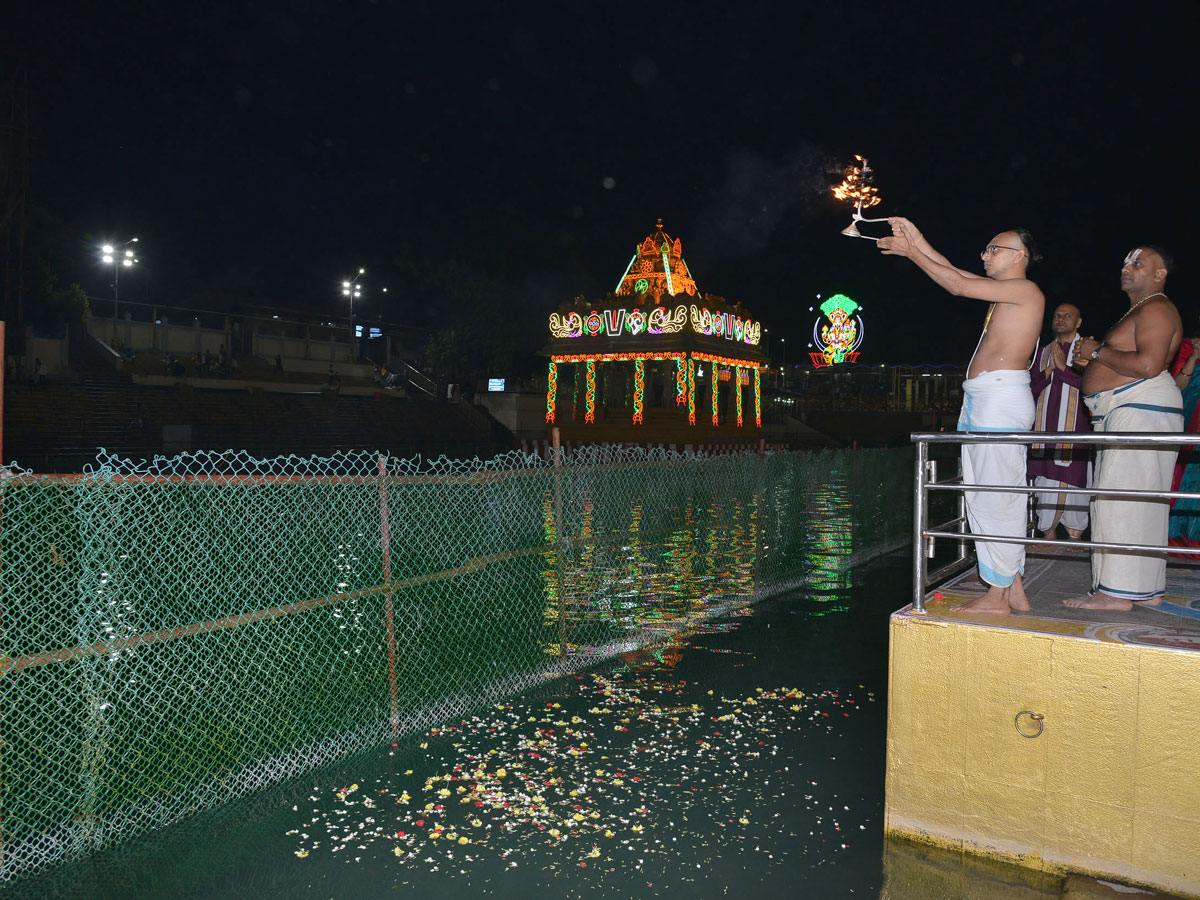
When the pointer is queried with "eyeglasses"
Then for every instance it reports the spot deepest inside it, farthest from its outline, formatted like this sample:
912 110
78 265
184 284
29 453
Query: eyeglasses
992 248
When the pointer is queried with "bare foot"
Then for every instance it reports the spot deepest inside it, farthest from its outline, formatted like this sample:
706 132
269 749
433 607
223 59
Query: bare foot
1017 601
1098 600
993 603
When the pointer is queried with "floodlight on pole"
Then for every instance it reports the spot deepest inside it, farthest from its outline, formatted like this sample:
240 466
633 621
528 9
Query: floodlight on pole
353 290
118 256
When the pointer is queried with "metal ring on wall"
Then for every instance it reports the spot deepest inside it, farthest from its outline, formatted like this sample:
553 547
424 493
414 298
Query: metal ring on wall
1037 717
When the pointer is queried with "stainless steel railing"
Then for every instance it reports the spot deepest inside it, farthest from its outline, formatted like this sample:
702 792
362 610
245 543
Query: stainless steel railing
925 538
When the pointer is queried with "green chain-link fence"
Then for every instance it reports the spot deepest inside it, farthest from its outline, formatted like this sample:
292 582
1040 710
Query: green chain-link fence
177 634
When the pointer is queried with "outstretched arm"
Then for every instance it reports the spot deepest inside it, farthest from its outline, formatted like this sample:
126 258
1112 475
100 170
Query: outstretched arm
902 227
908 242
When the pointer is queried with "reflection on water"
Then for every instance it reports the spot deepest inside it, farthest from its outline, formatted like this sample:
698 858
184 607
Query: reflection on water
831 529
741 757
656 569
912 871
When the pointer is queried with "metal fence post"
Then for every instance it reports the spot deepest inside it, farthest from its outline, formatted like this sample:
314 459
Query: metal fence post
920 523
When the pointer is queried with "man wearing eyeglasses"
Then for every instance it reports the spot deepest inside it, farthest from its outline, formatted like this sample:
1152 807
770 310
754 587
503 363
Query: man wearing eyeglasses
1056 391
996 395
1127 387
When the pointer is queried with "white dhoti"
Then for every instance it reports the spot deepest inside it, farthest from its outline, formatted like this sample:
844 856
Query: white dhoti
997 401
1054 507
1149 405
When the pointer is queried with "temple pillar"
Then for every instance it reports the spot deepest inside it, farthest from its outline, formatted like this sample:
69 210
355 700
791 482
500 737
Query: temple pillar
589 401
758 396
639 389
737 381
691 391
551 392
713 372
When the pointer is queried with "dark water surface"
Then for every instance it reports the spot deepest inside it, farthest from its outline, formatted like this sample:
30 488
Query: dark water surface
745 758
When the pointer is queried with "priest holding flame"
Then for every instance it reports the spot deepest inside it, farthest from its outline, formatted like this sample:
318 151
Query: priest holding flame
996 394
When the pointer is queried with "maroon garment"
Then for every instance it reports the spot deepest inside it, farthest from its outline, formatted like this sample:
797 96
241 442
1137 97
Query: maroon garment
1059 408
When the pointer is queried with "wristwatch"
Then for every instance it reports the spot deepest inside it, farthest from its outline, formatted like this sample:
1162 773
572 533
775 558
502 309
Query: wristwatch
1095 354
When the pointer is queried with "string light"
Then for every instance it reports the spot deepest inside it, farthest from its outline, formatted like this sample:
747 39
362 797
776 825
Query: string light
657 268
724 360
680 382
714 381
617 357
691 391
589 412
619 322
758 398
639 389
738 381
551 392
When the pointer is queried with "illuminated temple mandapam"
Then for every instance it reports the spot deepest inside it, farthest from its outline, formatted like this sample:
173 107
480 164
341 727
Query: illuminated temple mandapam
655 360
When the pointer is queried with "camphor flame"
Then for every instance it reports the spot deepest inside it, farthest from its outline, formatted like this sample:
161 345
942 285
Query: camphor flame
857 186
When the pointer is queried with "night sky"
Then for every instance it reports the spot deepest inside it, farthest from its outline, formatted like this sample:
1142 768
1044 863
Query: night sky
487 161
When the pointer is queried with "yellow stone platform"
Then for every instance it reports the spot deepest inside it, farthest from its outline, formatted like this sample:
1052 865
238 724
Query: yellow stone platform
1111 786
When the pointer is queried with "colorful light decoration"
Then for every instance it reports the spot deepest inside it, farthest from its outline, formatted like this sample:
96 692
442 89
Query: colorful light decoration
838 341
551 392
758 397
639 389
617 357
667 269
738 391
721 360
657 269
589 409
727 325
691 391
632 260
619 322
656 273
635 321
724 367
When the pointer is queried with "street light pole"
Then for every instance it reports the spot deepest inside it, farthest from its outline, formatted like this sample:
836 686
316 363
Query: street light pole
127 260
353 290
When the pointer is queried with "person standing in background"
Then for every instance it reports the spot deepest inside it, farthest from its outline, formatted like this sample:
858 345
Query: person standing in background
1055 385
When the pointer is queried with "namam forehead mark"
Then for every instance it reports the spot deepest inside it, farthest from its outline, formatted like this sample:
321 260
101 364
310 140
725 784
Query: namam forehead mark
1145 256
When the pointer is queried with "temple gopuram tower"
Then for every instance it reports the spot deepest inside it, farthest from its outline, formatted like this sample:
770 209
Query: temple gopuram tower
656 361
